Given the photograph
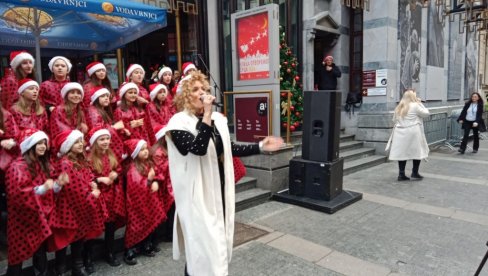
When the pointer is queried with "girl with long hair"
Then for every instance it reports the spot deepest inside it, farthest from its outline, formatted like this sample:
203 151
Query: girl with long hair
28 112
69 115
131 113
159 109
30 203
21 67
98 78
407 141
107 170
50 90
99 113
80 211
144 208
471 118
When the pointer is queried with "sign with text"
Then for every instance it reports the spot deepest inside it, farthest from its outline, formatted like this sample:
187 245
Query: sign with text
253 46
251 117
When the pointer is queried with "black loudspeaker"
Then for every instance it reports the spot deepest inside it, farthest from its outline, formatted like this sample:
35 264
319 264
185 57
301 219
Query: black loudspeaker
316 180
321 125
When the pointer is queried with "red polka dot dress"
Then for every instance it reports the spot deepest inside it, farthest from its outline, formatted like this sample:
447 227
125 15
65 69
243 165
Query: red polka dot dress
11 131
133 113
9 94
94 118
113 195
28 213
32 120
78 214
59 120
144 208
50 92
161 167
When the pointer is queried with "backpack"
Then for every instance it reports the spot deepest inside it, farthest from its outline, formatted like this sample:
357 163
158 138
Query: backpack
354 100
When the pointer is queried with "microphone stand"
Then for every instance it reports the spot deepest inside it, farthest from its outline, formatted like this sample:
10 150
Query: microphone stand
216 87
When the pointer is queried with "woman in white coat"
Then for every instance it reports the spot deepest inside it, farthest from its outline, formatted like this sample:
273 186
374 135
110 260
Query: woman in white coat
200 163
407 141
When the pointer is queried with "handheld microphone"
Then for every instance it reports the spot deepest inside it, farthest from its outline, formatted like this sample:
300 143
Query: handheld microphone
213 103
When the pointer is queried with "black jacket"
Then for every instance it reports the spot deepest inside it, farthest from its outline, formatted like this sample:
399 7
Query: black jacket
479 115
327 80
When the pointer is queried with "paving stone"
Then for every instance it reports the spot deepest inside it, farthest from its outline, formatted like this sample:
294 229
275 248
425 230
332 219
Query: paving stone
349 265
301 248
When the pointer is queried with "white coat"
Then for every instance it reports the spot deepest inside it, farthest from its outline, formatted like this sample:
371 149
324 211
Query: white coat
200 228
407 140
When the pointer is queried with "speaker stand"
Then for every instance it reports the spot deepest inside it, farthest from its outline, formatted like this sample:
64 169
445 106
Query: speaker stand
340 201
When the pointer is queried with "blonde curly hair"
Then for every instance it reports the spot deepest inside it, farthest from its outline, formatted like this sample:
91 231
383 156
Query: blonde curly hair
183 99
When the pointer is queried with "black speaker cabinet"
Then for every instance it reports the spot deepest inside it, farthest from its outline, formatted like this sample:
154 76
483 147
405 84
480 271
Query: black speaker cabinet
321 125
316 180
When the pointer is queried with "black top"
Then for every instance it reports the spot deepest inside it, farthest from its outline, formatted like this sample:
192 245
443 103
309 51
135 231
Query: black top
327 80
479 112
186 142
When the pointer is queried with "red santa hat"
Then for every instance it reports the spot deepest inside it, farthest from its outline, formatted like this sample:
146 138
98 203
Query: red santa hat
16 58
164 70
53 60
29 137
159 131
134 146
125 87
95 94
131 69
155 88
94 66
65 140
71 86
326 58
96 132
25 83
188 66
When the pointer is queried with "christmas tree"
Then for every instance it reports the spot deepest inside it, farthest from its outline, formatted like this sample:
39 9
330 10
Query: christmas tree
290 80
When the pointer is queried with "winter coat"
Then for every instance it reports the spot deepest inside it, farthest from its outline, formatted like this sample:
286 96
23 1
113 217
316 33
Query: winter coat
200 227
94 118
50 92
407 141
11 131
28 213
78 213
144 207
479 115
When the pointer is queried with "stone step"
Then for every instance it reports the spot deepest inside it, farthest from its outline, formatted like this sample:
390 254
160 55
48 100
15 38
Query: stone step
246 183
363 163
250 198
346 137
350 145
355 154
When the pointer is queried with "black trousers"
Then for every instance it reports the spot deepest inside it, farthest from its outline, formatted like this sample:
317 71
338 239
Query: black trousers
403 164
468 126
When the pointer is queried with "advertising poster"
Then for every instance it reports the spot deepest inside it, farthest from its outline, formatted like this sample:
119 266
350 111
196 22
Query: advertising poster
253 47
251 118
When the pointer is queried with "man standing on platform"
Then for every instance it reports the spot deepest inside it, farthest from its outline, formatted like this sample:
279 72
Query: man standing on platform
327 75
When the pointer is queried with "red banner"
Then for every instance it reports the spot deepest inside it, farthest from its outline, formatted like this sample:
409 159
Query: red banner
253 46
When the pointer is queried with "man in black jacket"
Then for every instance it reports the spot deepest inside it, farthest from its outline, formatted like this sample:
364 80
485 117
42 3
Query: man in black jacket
328 74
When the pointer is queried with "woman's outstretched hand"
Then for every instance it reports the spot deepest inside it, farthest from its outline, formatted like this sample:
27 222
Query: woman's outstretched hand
272 143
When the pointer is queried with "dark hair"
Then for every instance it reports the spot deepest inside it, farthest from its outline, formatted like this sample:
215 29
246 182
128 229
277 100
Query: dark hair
19 75
106 112
2 123
30 159
104 82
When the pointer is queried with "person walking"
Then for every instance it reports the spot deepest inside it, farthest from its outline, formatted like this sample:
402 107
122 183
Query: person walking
407 141
471 119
